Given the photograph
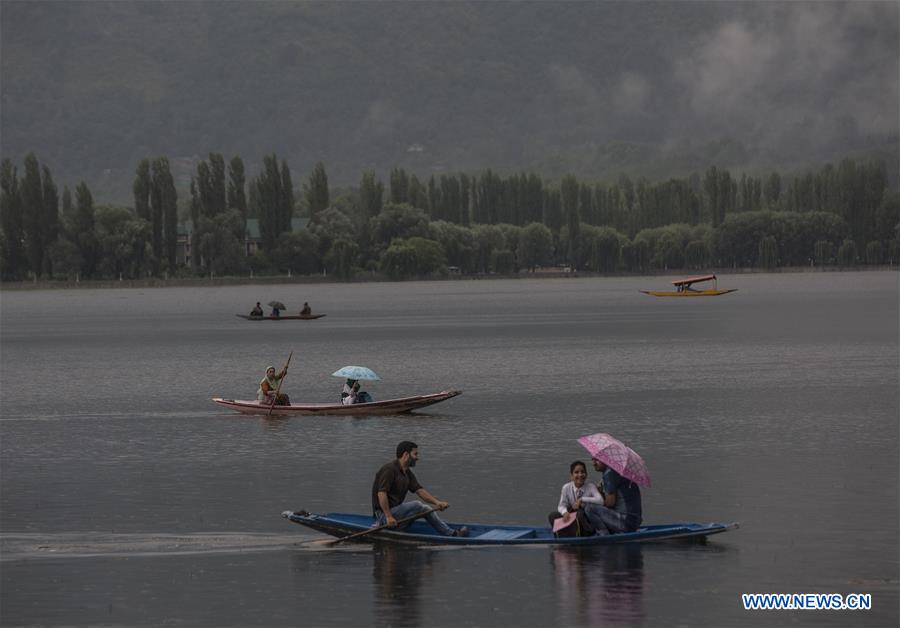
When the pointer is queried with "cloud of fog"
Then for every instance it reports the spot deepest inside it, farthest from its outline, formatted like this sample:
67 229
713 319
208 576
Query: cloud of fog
813 69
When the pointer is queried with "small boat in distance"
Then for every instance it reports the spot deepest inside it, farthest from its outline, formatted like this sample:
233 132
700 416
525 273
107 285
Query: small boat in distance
421 533
307 317
683 288
400 405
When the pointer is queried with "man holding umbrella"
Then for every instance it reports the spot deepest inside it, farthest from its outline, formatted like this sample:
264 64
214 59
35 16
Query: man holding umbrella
622 471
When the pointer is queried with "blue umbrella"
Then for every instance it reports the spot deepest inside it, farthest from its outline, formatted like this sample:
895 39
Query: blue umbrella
356 372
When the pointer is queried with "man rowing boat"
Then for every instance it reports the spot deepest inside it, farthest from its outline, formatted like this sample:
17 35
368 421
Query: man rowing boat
393 481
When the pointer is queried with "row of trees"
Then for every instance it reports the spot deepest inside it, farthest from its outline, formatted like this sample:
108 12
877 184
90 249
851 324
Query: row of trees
476 223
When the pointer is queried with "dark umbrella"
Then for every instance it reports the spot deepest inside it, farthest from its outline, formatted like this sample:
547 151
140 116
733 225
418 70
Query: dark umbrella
277 304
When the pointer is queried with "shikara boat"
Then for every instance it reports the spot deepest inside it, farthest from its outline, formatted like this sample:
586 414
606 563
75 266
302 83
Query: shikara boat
683 288
388 406
421 533
308 317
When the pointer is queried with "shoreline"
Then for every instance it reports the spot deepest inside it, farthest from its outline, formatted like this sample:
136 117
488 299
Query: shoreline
555 273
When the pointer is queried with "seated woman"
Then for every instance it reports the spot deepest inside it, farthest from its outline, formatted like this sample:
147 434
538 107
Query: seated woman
306 311
351 393
572 498
268 387
257 311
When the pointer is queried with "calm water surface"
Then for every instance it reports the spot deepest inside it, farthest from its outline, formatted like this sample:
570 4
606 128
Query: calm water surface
128 498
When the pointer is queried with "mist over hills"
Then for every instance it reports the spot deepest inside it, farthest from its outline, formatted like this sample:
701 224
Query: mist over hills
596 89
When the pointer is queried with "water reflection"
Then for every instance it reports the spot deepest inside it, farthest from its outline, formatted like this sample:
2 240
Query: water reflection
599 585
398 573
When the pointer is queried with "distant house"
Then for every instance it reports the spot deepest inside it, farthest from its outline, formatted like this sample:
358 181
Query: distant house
184 243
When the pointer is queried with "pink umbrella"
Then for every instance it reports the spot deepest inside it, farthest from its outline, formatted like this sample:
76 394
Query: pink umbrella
617 456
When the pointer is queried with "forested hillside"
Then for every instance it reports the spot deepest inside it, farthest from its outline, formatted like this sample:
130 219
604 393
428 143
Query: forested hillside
652 90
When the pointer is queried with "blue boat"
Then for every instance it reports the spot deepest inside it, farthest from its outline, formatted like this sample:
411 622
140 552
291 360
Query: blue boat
419 532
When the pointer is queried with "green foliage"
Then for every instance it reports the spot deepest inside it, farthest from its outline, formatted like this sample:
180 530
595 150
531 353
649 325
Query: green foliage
329 226
874 253
697 254
397 221
823 252
486 240
122 244
458 244
503 261
535 246
222 253
297 252
406 258
341 258
847 254
768 252
600 248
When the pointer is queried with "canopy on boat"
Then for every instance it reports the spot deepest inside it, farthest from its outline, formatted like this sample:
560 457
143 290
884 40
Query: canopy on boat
689 280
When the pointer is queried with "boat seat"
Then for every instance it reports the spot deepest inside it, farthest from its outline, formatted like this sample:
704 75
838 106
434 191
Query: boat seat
504 535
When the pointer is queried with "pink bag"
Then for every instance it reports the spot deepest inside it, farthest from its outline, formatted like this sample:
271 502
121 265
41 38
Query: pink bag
567 525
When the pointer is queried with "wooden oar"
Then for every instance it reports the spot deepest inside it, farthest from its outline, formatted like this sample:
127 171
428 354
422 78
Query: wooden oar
278 387
356 535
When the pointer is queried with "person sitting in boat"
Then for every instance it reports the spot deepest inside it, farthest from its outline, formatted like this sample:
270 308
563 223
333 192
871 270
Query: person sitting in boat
393 481
268 387
257 311
352 394
621 507
306 311
572 499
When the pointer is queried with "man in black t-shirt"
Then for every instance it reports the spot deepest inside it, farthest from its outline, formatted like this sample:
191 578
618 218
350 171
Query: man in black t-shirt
393 481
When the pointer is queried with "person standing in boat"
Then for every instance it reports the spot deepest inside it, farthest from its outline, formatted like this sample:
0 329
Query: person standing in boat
621 510
393 481
268 387
351 393
306 311
573 498
257 311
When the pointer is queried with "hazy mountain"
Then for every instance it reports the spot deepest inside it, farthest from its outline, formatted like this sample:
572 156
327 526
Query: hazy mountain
654 89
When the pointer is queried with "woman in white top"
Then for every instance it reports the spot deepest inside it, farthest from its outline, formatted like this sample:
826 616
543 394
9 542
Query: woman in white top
574 495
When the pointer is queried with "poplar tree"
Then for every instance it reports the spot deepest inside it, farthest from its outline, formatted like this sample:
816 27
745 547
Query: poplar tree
371 195
14 259
141 189
49 218
269 198
237 197
83 229
316 190
286 207
32 213
569 195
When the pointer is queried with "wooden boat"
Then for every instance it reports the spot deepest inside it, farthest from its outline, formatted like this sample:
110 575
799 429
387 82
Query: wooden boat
420 532
683 288
308 317
388 406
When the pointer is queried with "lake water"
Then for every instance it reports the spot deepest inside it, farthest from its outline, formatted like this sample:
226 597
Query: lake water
129 498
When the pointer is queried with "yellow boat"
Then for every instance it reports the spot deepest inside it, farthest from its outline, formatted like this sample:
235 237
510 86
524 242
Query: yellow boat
683 288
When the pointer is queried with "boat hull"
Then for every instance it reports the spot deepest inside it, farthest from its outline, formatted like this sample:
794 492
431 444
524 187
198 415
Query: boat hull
420 533
310 317
687 293
388 406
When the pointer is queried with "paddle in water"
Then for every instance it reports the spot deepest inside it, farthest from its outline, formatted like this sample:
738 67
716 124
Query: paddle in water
278 387
356 535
